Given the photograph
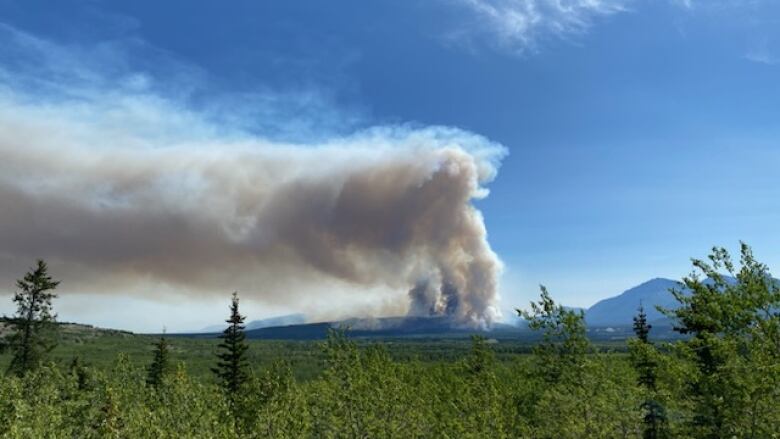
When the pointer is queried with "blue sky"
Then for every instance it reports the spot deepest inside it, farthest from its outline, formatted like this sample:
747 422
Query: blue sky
640 133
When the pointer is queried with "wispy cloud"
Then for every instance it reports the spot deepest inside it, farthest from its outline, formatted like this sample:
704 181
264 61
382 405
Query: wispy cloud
521 25
761 56
760 48
130 69
687 4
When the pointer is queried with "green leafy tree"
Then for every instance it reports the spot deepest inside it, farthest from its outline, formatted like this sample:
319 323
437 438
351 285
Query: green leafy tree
80 372
232 365
734 345
33 329
572 392
564 343
160 365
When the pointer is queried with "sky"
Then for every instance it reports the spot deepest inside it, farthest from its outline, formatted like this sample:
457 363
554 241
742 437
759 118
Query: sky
624 137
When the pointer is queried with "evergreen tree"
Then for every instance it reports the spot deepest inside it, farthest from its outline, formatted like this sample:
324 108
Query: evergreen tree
160 363
232 366
643 359
32 327
641 327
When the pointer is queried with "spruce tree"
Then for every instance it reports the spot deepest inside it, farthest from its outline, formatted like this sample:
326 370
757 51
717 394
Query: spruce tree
33 326
232 365
642 354
641 327
160 363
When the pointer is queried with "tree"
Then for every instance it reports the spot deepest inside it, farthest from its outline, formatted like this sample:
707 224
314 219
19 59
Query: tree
232 366
641 327
32 327
734 345
160 363
481 358
572 393
644 361
79 371
564 343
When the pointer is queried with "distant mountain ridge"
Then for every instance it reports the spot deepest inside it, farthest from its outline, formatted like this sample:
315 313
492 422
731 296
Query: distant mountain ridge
383 327
621 309
617 311
285 320
609 318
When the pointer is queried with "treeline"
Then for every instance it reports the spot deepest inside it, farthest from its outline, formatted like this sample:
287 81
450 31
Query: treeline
721 381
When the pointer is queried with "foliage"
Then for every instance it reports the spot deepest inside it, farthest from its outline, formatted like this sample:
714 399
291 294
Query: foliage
734 346
564 345
722 380
160 364
232 365
644 358
32 331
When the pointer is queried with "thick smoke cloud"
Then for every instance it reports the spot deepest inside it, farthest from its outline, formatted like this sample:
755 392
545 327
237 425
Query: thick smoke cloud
125 191
112 208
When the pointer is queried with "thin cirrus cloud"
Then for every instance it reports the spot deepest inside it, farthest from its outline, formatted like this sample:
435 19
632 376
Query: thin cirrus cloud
761 54
521 26
524 26
131 69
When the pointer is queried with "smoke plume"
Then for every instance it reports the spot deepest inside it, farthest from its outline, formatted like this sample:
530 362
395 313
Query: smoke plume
125 192
377 209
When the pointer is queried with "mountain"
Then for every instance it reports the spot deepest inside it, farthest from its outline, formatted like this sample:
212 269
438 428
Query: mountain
386 327
620 310
608 319
285 320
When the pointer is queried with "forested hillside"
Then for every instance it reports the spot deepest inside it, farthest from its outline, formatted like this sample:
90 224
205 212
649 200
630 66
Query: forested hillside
721 380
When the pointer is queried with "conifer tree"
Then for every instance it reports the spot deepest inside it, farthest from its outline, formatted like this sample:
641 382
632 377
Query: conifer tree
160 363
232 365
32 327
642 354
641 327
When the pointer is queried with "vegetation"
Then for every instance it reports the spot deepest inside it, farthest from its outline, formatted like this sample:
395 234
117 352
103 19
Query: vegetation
232 366
644 358
720 381
32 330
160 366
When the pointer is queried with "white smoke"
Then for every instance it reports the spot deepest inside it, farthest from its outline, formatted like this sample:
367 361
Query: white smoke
127 191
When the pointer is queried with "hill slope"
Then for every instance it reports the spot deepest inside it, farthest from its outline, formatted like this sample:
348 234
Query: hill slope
285 320
388 327
620 310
